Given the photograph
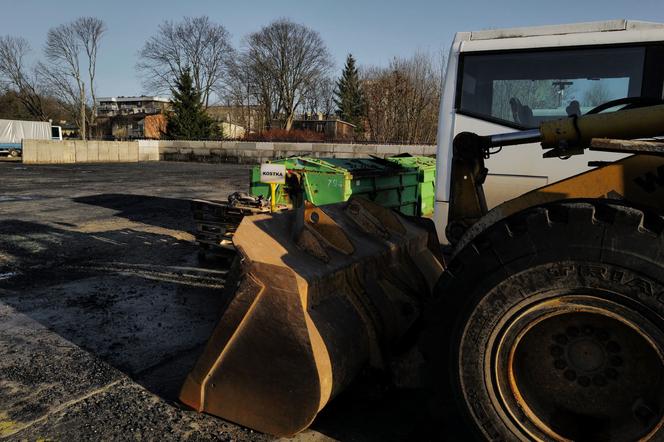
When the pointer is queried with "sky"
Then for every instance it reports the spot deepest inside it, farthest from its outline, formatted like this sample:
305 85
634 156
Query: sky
374 31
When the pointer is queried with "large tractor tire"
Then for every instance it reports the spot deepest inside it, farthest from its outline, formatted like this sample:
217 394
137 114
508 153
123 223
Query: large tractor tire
552 326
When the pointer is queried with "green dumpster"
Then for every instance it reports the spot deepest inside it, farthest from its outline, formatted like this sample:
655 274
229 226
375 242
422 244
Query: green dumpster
332 180
426 177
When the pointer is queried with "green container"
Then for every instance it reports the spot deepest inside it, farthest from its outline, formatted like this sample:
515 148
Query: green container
332 180
427 180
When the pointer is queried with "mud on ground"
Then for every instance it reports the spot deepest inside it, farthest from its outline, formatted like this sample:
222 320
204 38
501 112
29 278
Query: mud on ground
104 308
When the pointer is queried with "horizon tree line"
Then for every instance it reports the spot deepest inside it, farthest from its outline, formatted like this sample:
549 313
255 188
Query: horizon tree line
280 71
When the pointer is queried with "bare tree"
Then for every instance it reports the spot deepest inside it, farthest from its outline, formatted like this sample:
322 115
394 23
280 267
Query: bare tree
403 99
16 76
319 97
257 87
286 58
596 94
89 31
245 90
197 44
533 93
64 73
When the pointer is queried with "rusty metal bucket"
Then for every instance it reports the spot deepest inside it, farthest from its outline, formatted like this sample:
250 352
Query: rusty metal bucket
325 291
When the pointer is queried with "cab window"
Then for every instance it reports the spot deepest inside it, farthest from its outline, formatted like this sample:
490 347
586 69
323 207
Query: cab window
522 89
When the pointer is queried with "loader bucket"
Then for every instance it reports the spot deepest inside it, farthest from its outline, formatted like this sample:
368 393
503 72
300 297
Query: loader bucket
325 291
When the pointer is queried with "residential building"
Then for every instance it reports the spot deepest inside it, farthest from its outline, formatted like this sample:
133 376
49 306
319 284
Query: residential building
123 118
69 130
333 128
148 105
236 120
231 130
128 127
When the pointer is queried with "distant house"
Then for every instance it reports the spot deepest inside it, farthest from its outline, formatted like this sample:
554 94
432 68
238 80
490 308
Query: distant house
235 121
128 127
69 130
232 131
131 117
334 129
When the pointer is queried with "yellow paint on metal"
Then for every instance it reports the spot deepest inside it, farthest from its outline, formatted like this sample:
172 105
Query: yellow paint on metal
627 124
638 179
273 197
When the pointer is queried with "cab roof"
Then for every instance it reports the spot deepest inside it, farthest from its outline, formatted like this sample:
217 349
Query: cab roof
574 35
575 28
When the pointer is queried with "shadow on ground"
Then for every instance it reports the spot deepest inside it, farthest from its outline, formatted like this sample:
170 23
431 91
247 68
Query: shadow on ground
170 213
372 410
134 299
141 302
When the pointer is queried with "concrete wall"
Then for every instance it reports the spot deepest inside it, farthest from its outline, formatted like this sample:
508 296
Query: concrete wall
78 151
148 150
258 152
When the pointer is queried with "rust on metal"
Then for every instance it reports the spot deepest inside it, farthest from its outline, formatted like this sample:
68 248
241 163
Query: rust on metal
374 219
627 146
310 243
300 328
560 350
324 227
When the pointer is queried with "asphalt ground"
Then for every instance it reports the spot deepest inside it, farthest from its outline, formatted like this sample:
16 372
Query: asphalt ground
105 306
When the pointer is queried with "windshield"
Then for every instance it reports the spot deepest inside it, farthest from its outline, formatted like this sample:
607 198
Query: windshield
522 89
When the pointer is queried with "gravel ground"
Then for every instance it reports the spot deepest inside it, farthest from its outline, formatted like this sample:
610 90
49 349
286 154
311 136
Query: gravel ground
104 308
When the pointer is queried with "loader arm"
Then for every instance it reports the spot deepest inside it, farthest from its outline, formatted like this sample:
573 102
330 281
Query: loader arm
561 138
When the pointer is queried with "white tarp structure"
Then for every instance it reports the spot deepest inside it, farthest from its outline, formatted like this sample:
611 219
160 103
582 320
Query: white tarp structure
14 131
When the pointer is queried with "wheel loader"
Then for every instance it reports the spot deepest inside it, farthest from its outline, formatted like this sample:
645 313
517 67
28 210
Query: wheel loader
545 321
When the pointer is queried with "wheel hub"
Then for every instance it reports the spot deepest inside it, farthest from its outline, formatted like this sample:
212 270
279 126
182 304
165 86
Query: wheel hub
581 368
588 356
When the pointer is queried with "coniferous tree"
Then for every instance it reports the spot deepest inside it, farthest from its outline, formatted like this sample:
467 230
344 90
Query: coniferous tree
187 119
349 98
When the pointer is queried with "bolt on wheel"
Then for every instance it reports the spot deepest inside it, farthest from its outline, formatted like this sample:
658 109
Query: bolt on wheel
581 368
552 321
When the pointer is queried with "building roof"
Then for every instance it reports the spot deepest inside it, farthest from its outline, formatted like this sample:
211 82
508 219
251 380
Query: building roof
575 28
328 120
574 35
123 99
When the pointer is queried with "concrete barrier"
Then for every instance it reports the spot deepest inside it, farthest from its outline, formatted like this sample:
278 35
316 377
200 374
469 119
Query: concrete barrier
148 150
79 151
259 152
245 152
